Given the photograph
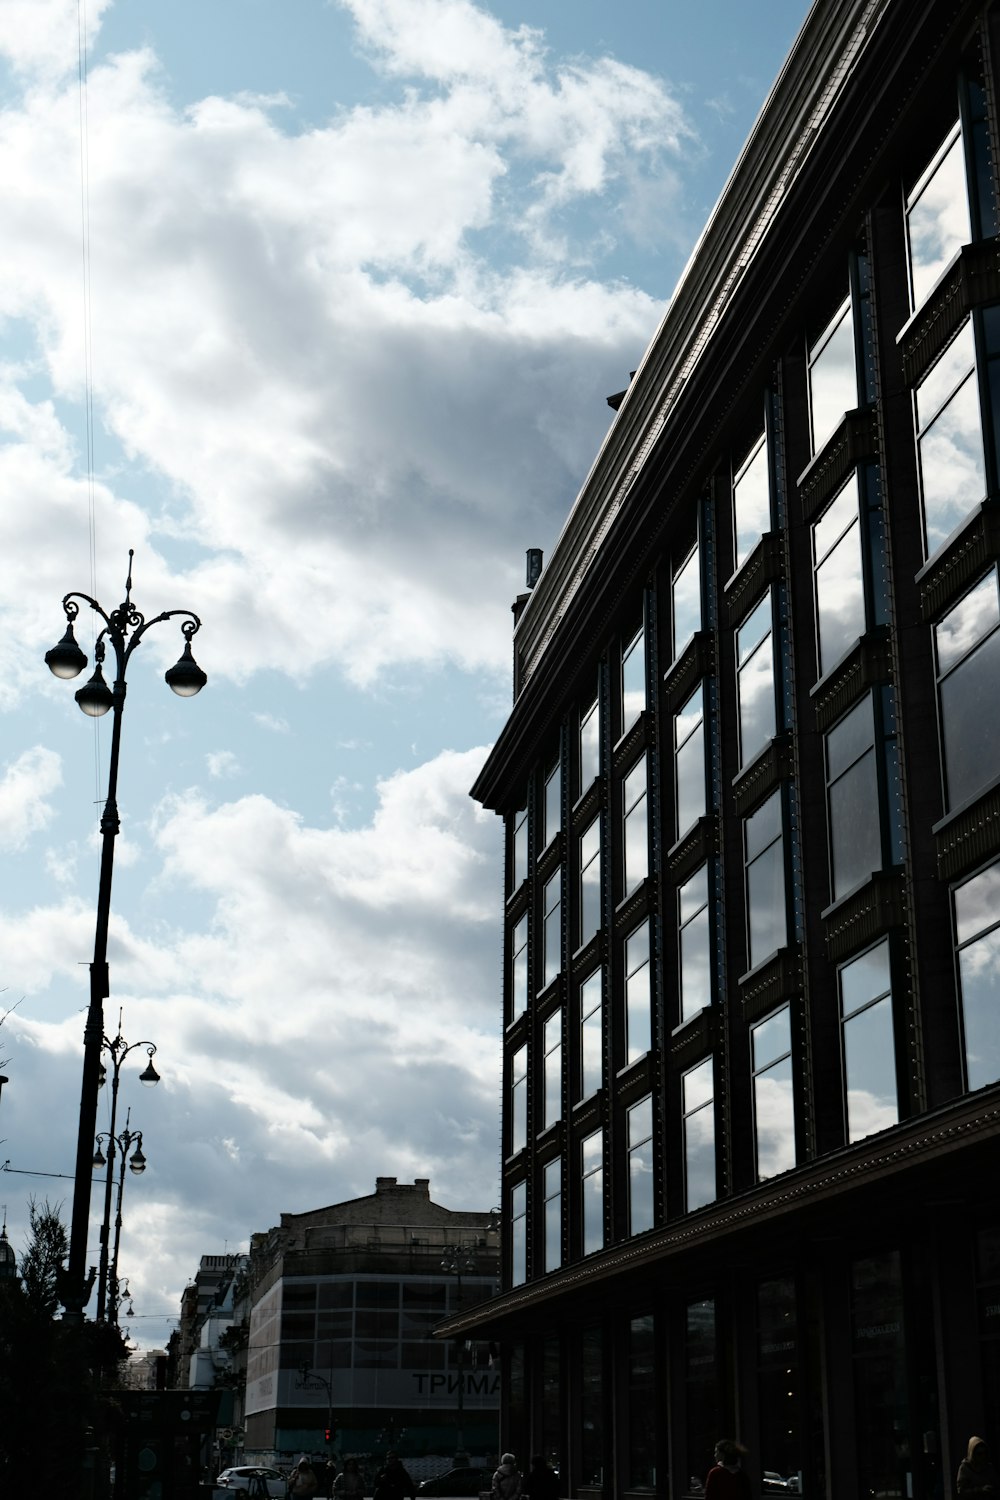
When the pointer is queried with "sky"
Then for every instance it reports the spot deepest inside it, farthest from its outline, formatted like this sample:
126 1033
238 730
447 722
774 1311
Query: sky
314 304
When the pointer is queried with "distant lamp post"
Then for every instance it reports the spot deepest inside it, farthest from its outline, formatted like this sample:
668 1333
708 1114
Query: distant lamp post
459 1260
129 1140
123 629
118 1049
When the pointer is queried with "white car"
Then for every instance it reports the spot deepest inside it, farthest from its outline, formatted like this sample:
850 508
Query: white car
239 1479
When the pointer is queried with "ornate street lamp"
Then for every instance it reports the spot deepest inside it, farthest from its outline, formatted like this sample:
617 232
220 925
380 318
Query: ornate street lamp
123 629
118 1049
125 1143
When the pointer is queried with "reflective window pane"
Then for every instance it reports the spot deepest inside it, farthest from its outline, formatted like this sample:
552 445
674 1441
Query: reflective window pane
977 924
553 1215
592 1159
774 1119
751 503
840 592
636 833
952 470
518 1234
766 918
689 760
519 1100
520 849
590 746
855 832
833 380
695 945
590 1036
519 968
699 1136
686 596
633 680
970 717
640 1166
552 1077
590 881
971 620
937 216
869 1045
771 1039
551 928
755 681
638 1002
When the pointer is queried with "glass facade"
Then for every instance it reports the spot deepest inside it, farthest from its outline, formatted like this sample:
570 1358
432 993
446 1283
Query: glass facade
837 563
633 680
519 1234
589 902
519 1100
767 920
833 376
519 969
552 1187
689 761
641 1197
695 945
685 595
950 440
592 1183
853 798
552 1070
552 805
551 928
590 745
751 501
937 216
591 1035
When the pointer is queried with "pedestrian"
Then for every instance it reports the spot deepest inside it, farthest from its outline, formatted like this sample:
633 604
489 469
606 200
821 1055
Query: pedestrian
540 1482
350 1483
727 1479
302 1480
507 1479
393 1482
328 1474
977 1473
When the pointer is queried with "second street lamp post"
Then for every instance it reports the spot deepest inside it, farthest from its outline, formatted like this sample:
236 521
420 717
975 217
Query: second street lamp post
456 1260
119 1049
137 1165
66 660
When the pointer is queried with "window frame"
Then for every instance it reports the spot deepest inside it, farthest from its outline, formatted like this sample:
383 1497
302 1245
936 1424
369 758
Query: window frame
884 999
815 350
519 1099
635 844
594 981
949 673
758 446
595 1171
759 1071
691 559
982 934
679 747
519 1233
633 1147
552 1025
628 681
688 1012
763 643
700 1106
551 1170
589 878
778 794
551 924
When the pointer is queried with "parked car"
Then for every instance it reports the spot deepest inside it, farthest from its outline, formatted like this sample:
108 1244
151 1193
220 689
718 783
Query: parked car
457 1482
238 1480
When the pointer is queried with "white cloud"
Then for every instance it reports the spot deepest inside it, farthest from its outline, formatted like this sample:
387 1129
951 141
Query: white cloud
223 764
26 788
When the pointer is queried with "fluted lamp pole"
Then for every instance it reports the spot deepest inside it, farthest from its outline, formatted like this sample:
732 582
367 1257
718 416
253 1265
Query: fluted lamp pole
123 629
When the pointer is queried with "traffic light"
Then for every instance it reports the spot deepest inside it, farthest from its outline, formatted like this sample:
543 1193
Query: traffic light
329 1434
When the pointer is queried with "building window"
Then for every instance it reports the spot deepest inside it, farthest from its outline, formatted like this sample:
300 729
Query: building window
633 680
590 881
519 1234
950 440
519 862
695 945
640 1166
853 798
767 926
702 1372
751 502
591 1036
519 1100
968 665
698 1094
592 1175
937 216
519 969
755 680
773 1100
833 376
685 594
552 1075
590 746
977 930
592 1426
551 928
552 804
552 1179
643 1413
635 841
638 994
689 760
869 1046
840 590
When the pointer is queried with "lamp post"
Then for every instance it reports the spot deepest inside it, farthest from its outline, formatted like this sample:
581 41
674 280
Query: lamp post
456 1260
309 1374
66 660
137 1165
119 1049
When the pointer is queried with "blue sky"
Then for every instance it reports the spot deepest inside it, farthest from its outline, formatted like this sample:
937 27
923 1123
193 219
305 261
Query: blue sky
361 276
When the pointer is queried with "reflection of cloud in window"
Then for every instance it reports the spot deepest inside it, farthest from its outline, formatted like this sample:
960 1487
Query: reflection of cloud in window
968 622
756 701
868 1113
939 222
775 1123
951 465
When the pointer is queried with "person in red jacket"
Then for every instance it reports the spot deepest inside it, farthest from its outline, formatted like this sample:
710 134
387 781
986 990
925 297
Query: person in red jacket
726 1479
